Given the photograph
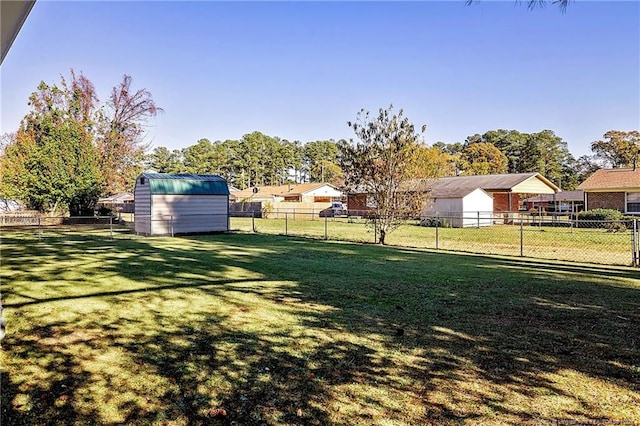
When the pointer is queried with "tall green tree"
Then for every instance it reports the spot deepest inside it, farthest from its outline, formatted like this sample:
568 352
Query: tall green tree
52 164
320 159
164 161
618 148
482 158
380 162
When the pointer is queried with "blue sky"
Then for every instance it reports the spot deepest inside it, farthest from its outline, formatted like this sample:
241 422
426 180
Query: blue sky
301 70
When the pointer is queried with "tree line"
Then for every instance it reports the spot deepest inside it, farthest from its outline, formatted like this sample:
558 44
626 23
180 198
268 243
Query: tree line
70 149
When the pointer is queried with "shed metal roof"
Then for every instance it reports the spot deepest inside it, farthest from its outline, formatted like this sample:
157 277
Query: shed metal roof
186 184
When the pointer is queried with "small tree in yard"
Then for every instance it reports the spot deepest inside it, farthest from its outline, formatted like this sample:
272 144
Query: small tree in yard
381 164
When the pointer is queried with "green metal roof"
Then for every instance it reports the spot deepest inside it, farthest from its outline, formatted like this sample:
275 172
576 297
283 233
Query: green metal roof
186 184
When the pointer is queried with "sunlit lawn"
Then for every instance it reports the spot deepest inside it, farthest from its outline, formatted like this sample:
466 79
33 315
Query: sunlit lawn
546 242
284 331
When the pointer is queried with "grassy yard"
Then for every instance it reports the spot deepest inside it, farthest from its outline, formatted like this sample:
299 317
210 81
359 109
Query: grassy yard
553 243
285 331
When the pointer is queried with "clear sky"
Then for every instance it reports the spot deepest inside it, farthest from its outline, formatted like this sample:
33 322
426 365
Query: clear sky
301 70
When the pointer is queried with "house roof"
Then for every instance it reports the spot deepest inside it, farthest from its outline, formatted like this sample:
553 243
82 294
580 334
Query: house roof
562 196
186 184
612 179
514 182
292 190
459 192
13 14
126 196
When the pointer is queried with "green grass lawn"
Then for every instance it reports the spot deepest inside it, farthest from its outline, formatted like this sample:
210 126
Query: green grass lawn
287 331
553 243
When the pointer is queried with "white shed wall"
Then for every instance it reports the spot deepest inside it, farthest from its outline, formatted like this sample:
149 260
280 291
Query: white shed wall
142 212
189 214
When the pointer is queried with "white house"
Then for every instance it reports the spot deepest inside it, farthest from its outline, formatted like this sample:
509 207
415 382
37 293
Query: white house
461 207
168 204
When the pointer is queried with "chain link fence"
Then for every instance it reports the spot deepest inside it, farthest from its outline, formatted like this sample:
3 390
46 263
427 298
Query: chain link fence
545 237
47 227
510 234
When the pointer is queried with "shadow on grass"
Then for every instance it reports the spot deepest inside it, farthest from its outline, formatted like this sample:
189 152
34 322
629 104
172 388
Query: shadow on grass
367 334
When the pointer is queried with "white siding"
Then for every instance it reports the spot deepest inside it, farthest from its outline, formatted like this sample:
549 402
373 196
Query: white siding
142 212
189 213
474 209
533 185
477 208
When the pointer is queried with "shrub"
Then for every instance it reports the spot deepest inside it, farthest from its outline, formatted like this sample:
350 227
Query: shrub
600 214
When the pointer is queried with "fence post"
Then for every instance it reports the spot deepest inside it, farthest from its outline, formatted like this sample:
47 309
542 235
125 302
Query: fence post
437 227
39 229
521 239
111 226
253 220
634 243
172 225
478 213
286 224
325 228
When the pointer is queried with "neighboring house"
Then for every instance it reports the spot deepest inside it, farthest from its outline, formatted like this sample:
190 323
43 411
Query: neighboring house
121 203
563 202
168 204
275 201
302 193
360 201
462 207
508 190
613 189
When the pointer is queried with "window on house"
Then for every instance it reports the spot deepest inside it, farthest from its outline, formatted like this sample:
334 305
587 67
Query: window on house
633 202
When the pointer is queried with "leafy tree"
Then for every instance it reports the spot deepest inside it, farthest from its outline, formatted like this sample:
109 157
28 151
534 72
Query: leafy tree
618 148
429 162
201 158
510 142
449 148
380 163
584 167
121 142
52 163
320 159
68 151
545 153
482 158
164 161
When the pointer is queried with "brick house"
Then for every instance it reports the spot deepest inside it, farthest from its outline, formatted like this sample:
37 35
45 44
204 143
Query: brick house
613 189
508 190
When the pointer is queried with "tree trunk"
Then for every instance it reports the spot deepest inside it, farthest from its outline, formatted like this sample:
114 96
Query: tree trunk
383 234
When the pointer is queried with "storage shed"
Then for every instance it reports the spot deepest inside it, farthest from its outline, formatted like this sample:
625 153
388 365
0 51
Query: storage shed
461 207
169 204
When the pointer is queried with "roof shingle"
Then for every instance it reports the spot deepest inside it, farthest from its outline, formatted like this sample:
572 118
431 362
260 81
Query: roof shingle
612 179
